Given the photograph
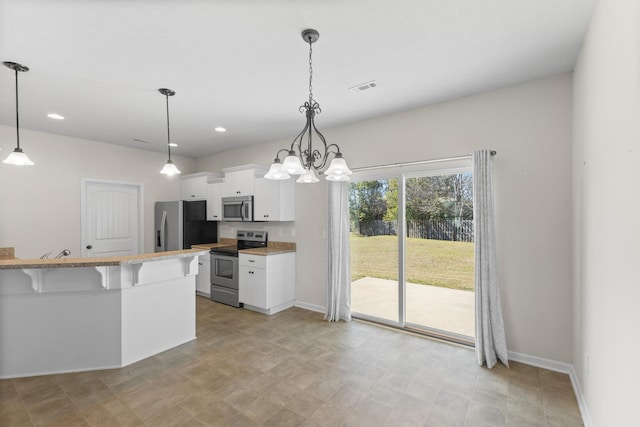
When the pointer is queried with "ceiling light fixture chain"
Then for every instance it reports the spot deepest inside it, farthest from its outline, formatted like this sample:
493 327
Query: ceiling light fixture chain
303 161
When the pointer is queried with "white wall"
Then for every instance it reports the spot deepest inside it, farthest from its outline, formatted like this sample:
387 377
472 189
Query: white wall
40 204
530 127
606 204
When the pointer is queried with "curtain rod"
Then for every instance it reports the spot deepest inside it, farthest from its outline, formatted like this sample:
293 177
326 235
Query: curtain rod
416 163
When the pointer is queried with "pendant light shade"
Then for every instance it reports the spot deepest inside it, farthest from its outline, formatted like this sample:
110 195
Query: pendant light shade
292 164
169 168
309 177
276 172
17 157
302 157
338 169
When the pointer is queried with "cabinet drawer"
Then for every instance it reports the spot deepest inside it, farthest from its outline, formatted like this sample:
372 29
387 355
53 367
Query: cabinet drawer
255 261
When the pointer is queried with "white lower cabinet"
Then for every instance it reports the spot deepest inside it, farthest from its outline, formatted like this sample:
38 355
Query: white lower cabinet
203 279
267 282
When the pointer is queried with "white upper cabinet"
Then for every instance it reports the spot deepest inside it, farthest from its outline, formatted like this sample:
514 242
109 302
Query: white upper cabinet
194 186
239 182
215 189
274 200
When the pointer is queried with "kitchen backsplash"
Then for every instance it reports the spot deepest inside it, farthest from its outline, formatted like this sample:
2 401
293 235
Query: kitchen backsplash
281 232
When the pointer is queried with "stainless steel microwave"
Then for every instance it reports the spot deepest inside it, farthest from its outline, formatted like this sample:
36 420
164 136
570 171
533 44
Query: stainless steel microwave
237 208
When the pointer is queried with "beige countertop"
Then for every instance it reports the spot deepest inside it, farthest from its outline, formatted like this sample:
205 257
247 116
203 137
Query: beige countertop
273 248
13 264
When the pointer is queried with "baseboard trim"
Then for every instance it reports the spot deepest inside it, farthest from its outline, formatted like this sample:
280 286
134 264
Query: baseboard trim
56 372
582 403
565 368
541 362
311 307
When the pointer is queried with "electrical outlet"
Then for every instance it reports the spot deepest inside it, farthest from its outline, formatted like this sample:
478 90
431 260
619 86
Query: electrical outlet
293 232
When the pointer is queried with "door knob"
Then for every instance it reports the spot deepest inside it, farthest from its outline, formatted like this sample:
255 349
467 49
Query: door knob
89 247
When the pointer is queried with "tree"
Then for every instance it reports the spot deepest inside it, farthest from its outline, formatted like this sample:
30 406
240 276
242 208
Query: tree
367 201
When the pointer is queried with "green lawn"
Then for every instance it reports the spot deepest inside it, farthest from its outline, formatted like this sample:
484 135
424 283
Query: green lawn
429 262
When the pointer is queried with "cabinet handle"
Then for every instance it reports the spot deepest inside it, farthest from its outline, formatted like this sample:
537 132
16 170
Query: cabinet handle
252 260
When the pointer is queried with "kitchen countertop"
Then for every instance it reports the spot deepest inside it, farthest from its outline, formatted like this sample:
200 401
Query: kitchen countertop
13 264
273 248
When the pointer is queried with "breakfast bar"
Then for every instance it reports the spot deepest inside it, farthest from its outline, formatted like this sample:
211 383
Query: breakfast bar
76 314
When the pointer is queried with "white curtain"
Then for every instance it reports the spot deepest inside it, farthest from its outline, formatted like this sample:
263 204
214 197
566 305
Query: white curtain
339 275
491 343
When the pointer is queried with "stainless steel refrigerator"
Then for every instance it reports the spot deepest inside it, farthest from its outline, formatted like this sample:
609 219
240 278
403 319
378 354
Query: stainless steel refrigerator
180 224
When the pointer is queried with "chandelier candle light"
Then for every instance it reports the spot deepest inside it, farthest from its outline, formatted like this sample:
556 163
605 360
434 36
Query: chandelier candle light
169 168
17 156
302 158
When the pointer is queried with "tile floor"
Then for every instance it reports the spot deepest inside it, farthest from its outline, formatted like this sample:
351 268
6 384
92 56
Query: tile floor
294 369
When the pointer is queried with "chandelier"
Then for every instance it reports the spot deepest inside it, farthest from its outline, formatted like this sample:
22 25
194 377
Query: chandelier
302 157
169 168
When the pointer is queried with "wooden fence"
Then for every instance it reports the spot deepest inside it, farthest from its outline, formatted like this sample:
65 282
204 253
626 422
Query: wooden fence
436 229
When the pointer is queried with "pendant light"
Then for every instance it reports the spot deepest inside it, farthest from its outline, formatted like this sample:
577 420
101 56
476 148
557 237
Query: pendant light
169 168
302 157
17 157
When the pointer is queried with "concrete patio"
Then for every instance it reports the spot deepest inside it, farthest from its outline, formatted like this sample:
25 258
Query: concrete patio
435 307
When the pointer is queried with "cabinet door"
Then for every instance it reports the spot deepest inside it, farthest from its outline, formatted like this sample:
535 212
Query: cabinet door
259 277
194 188
239 183
274 200
245 285
203 279
252 284
266 200
214 201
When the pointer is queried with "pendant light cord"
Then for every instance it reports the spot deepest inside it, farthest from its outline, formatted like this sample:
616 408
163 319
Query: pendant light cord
168 132
17 116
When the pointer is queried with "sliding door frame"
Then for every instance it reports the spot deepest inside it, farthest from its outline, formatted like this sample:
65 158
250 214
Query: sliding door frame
401 172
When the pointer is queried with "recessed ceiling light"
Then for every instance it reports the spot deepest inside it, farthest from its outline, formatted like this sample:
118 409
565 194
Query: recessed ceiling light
220 129
173 144
55 116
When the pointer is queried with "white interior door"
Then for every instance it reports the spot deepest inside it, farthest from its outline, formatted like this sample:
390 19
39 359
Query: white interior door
112 218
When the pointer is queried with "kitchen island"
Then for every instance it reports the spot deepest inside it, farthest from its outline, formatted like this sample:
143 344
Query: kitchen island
77 314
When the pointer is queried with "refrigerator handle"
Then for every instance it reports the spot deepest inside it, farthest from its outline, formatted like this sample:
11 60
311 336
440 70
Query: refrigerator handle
163 226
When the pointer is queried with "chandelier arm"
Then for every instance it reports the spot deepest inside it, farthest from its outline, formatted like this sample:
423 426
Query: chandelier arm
280 151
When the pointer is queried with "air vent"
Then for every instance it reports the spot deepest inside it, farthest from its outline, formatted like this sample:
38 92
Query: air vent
362 87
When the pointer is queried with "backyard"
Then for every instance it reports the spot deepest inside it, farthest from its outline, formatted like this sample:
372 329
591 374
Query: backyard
441 263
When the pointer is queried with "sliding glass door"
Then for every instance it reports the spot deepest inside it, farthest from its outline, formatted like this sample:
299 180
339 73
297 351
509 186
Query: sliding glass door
374 248
412 251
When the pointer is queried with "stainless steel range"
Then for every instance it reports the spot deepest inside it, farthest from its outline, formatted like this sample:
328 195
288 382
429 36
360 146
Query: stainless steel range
224 266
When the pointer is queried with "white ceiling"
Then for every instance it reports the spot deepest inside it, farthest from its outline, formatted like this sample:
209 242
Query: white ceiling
243 65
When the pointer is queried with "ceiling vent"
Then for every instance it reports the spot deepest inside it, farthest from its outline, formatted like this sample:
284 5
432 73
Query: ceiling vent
364 86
